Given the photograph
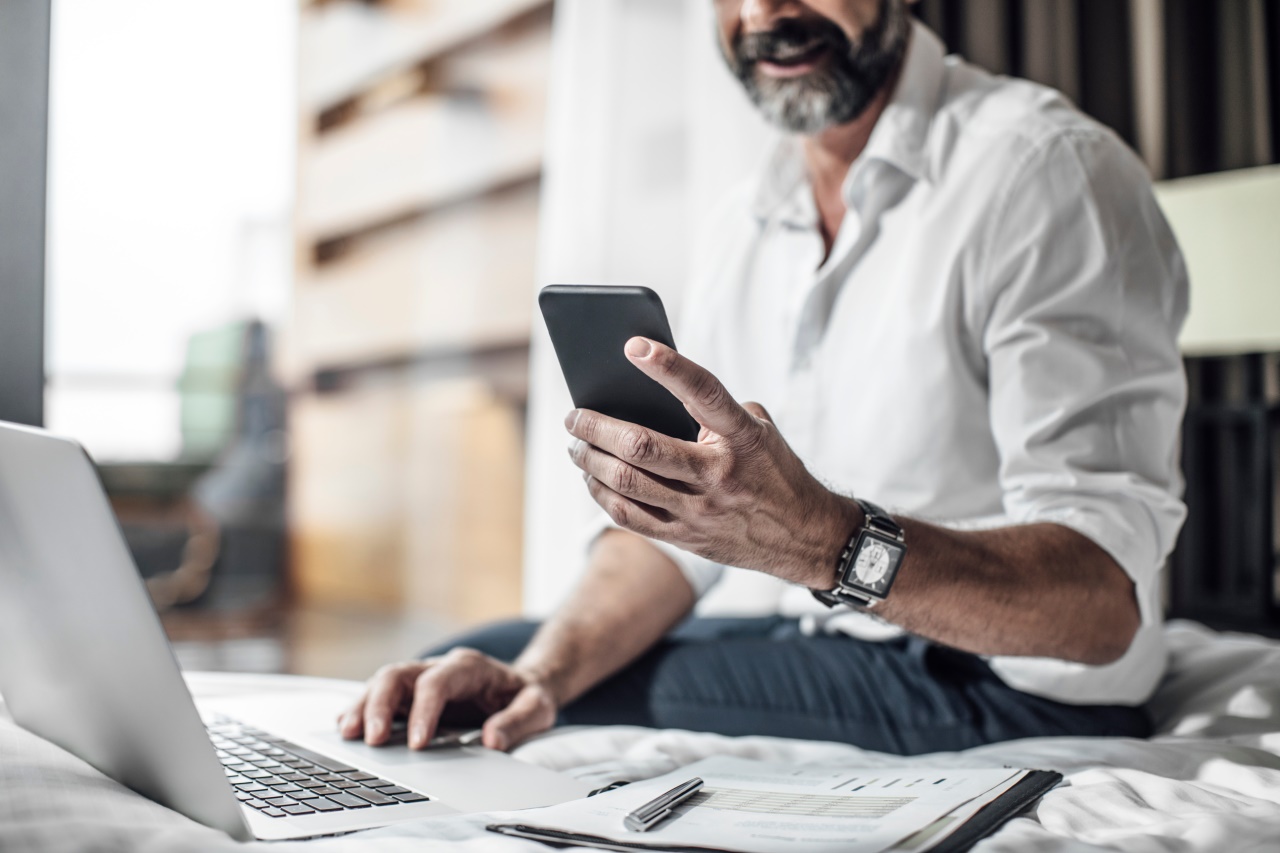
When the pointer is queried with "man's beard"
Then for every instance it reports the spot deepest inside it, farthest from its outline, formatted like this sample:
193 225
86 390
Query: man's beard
841 86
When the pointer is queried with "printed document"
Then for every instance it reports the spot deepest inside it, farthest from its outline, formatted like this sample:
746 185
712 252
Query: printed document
758 807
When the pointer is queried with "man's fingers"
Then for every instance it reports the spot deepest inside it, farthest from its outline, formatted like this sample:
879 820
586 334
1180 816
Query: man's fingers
644 448
424 689
462 674
430 695
385 696
624 478
628 514
351 723
695 386
530 712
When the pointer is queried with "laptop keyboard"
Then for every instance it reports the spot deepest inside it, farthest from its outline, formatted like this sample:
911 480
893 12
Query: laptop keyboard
281 779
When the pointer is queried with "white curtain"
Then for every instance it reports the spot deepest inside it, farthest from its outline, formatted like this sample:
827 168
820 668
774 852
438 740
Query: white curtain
647 130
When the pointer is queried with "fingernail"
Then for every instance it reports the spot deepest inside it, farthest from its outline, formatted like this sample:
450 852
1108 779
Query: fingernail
499 741
571 419
418 736
376 729
639 347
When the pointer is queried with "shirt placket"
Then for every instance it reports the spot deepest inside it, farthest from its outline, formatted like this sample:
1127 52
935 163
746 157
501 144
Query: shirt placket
810 311
804 398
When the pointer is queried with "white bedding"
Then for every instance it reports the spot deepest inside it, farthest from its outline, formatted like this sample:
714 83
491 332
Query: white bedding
1209 781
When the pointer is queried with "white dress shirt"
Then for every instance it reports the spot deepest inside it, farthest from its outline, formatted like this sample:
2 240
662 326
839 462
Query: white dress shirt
992 340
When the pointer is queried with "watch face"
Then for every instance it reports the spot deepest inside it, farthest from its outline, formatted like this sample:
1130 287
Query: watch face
874 565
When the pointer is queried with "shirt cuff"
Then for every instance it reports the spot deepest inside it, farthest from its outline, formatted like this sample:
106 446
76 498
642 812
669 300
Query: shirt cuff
1124 531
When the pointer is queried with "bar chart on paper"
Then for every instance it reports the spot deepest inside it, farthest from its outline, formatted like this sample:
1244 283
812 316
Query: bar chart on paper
808 805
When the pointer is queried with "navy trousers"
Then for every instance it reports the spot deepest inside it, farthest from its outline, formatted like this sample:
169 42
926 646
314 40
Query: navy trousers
763 676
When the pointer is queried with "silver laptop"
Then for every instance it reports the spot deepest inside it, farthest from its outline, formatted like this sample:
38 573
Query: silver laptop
84 663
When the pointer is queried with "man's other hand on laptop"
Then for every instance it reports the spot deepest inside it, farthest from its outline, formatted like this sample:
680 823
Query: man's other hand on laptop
516 704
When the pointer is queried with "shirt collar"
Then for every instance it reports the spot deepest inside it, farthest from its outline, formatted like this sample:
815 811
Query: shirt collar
899 138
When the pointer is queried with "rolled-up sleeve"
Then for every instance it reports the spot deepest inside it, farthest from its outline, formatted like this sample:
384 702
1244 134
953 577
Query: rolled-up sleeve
1086 296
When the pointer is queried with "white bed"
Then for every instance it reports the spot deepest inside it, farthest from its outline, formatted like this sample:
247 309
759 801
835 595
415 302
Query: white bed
1209 781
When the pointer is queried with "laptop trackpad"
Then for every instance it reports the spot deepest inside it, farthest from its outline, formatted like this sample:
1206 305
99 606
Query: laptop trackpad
469 778
393 753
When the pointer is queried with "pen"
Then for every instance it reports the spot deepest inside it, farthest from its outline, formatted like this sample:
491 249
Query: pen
656 811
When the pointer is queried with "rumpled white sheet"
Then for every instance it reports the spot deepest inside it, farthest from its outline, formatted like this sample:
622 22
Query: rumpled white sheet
1209 781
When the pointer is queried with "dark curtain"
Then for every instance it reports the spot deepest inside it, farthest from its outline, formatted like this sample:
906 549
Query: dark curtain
1215 98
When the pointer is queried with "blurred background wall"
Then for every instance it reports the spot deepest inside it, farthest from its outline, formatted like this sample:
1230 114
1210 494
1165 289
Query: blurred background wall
422 142
294 248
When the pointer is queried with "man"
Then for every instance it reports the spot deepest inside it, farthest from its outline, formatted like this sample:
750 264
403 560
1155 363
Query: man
960 301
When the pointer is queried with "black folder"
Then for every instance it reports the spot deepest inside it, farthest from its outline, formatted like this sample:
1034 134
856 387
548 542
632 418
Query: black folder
1000 811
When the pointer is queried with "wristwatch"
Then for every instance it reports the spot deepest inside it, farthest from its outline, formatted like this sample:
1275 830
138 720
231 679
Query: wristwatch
868 563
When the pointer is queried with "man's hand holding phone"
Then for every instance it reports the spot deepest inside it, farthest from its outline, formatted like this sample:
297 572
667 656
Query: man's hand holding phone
738 495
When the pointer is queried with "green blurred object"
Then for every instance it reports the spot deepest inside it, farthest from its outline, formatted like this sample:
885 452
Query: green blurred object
213 373
209 387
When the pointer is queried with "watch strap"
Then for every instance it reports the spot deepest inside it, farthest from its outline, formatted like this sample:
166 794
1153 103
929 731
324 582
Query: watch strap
876 520
837 596
879 520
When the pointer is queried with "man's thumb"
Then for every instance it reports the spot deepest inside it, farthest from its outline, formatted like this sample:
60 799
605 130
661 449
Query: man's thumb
530 712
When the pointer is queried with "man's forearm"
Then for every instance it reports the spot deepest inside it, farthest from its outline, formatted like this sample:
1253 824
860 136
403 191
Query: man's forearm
1039 590
631 596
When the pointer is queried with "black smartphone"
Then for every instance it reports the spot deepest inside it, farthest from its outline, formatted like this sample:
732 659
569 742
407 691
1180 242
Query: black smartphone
589 327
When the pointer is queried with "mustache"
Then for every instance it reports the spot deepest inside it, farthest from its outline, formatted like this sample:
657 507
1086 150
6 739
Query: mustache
789 38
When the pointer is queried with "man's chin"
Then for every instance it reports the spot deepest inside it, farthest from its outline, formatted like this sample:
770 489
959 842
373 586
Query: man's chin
798 118
793 105
780 92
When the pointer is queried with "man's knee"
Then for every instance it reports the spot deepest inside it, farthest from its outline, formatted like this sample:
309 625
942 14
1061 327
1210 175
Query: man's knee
501 640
